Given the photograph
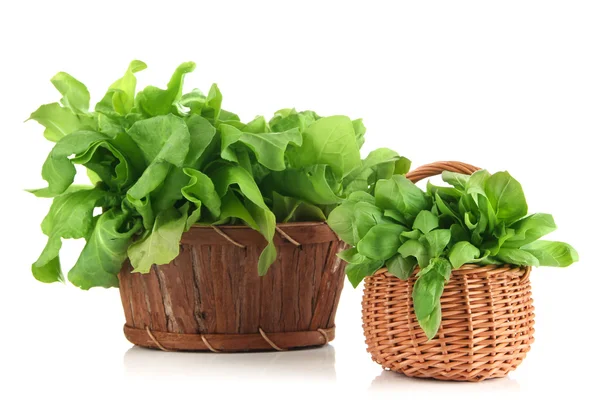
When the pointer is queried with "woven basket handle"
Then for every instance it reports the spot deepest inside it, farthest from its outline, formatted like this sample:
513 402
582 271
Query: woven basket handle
436 168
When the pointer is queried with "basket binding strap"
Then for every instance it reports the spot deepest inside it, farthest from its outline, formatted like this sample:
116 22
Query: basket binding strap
160 346
287 237
227 237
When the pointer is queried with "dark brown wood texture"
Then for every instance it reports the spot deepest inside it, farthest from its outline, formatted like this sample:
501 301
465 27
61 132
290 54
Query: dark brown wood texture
213 287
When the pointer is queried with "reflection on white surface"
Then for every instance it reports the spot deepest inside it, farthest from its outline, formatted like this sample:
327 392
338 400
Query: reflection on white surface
316 364
391 381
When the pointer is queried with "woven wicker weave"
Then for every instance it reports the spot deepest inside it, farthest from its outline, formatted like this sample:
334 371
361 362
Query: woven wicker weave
487 318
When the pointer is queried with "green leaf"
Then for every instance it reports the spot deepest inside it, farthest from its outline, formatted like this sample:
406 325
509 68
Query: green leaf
437 241
150 180
59 172
417 250
400 194
359 131
161 245
530 229
414 234
461 253
329 141
286 119
426 221
70 216
352 256
341 221
427 292
357 272
506 197
106 250
448 194
401 267
269 148
395 215
200 191
380 164
75 94
202 141
60 121
552 253
431 322
264 219
163 137
351 221
477 182
164 142
498 238
290 209
381 242
194 101
100 153
212 106
226 116
142 207
458 180
402 166
516 256
361 196
316 184
232 207
154 101
49 271
168 194
487 215
445 209
257 125
71 213
458 233
120 97
227 175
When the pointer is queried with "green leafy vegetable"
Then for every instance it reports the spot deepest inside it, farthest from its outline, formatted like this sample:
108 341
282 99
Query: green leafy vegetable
551 253
461 253
381 241
162 161
330 141
105 251
480 219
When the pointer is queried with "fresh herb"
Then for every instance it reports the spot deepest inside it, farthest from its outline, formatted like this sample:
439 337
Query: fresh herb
161 161
481 219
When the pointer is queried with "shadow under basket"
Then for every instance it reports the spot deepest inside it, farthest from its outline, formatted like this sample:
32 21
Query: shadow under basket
211 297
486 330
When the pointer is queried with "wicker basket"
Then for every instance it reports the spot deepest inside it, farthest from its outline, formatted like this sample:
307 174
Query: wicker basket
211 297
487 318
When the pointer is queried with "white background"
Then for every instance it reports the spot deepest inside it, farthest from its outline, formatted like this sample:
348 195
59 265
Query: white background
503 85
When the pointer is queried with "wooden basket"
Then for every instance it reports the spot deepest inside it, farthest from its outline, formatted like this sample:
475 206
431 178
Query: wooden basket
487 317
211 297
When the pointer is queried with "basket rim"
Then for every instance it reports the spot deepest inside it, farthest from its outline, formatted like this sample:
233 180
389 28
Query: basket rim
295 233
279 224
466 269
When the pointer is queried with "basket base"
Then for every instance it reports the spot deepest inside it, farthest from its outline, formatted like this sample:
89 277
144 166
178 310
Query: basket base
450 376
228 342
